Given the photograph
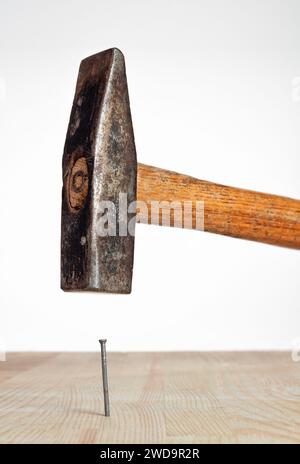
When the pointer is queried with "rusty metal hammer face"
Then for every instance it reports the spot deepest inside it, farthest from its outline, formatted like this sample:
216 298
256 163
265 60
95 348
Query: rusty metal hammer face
99 163
99 166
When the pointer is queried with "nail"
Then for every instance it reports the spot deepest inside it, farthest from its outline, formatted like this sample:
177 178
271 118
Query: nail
104 377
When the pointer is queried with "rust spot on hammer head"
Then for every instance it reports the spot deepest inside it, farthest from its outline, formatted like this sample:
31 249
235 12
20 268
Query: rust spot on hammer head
77 184
99 163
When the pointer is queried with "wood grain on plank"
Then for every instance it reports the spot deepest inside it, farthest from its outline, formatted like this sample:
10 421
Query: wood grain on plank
227 210
155 398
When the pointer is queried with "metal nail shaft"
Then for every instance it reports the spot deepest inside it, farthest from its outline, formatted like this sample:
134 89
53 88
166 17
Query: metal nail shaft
104 377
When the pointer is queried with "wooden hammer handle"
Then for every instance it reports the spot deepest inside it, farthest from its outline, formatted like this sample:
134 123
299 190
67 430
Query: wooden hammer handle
227 210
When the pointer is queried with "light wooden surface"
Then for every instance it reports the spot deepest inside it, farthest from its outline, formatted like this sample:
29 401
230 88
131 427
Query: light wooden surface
155 398
227 210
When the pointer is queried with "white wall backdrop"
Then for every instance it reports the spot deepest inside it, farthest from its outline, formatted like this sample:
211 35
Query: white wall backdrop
215 93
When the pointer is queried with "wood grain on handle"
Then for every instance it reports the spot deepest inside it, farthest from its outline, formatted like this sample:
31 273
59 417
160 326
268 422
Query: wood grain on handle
227 210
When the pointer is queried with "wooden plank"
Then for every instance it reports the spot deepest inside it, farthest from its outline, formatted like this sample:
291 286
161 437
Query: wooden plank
155 398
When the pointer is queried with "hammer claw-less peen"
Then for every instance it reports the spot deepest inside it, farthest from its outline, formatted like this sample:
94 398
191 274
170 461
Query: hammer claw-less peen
99 162
99 166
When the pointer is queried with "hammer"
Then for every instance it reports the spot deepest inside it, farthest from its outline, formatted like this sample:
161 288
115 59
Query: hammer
105 191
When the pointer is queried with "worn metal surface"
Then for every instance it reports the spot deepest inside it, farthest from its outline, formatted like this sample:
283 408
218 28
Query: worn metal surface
99 162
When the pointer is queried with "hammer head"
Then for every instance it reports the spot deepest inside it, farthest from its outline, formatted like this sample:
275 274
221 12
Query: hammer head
99 164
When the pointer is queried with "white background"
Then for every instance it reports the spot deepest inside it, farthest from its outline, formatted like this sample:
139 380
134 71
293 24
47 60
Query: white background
214 93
